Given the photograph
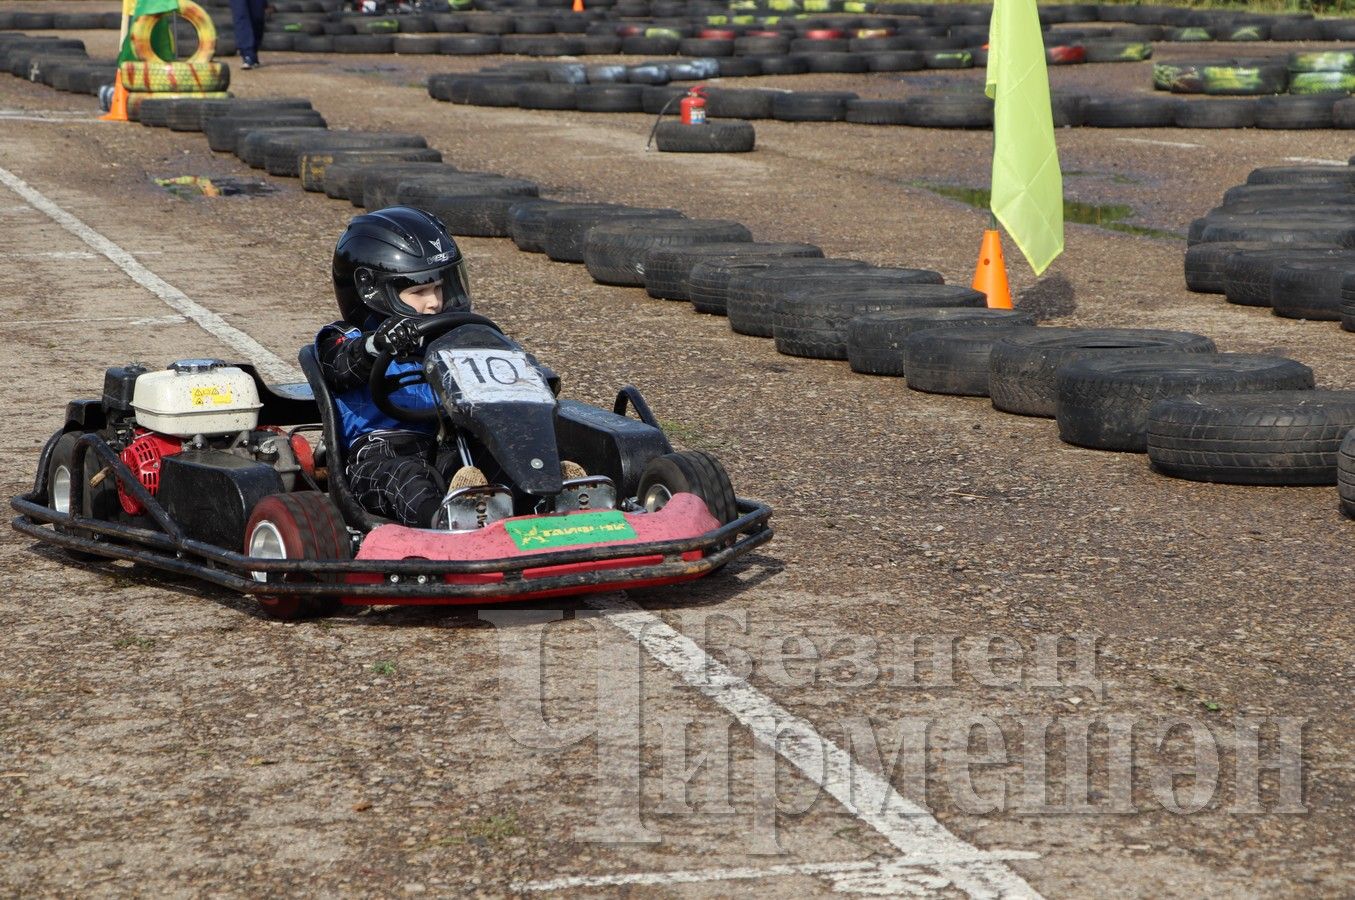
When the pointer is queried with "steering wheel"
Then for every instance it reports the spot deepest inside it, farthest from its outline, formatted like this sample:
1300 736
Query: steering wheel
382 386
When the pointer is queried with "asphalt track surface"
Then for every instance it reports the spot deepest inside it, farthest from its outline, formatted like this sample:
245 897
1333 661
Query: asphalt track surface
159 737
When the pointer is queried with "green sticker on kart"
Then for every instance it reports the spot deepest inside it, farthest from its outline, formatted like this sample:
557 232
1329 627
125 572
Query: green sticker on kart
569 531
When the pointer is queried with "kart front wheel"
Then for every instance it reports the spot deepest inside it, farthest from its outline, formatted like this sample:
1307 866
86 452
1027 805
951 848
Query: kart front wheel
61 476
689 472
303 525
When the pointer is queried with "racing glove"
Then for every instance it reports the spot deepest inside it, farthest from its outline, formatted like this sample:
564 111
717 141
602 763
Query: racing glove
398 336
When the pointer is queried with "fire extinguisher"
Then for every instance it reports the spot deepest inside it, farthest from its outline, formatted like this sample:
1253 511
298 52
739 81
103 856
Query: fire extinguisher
693 106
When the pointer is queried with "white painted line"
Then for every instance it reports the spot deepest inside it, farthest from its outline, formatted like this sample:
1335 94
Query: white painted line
134 320
1314 159
45 113
51 121
270 364
908 827
696 876
1126 140
57 254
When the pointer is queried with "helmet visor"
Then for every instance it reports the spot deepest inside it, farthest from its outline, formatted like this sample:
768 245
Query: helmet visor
455 287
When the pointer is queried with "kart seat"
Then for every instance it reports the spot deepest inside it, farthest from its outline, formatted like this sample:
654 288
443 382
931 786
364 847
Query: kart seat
354 513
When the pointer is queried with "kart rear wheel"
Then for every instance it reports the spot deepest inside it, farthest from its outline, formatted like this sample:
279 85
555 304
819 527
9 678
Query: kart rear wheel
690 472
60 477
304 525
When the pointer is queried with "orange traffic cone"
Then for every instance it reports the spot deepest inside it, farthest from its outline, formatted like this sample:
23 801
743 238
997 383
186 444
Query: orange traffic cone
990 276
117 112
578 5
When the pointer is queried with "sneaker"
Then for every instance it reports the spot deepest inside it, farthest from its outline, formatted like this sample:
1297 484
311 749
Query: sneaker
250 64
467 476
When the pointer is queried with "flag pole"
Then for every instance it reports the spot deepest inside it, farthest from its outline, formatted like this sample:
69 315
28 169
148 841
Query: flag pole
990 272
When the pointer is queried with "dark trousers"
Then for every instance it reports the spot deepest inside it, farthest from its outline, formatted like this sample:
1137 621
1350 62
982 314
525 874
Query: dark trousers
400 475
247 16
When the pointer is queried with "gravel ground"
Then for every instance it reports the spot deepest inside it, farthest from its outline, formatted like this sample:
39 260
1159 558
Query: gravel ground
162 738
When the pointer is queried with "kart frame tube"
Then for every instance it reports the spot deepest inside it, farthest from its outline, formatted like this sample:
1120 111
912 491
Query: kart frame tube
173 552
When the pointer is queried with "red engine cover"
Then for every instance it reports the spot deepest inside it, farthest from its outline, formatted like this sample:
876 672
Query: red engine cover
143 457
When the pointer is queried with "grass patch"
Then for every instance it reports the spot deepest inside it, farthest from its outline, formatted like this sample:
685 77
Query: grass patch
384 667
1109 216
689 435
131 642
1115 177
487 830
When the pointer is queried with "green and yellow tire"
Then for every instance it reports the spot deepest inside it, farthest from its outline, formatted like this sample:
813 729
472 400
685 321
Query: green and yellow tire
160 77
1243 81
142 26
1323 61
1321 82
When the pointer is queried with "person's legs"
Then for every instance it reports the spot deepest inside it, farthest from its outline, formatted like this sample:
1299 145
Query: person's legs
393 478
241 21
256 19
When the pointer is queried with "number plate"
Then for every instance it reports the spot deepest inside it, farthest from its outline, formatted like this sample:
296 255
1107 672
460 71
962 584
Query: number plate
569 531
496 376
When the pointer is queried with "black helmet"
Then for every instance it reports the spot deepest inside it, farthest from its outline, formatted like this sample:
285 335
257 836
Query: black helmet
384 252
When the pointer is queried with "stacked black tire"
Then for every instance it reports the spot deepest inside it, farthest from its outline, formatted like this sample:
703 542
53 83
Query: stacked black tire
1284 240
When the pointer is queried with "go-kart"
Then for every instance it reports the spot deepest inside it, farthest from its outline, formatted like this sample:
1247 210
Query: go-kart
206 470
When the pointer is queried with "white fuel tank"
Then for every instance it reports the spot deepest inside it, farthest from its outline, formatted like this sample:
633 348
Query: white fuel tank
196 396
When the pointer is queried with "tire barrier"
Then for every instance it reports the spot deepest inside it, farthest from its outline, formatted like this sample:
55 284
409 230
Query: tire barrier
1167 394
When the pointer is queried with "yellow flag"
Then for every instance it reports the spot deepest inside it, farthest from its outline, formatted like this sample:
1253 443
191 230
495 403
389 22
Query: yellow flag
1027 195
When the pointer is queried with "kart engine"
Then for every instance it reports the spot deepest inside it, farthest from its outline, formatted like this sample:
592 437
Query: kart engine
194 405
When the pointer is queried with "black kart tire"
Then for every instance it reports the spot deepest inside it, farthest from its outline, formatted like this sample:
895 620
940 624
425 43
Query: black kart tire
690 472
223 132
1103 403
1130 112
1271 438
812 106
1022 367
315 165
615 252
875 340
1348 304
527 222
1295 112
1345 475
877 112
609 98
668 268
1303 175
1310 289
1247 274
752 297
952 360
99 502
709 282
1332 228
813 320
735 103
301 525
566 230
473 215
949 111
1205 263
709 137
1216 114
